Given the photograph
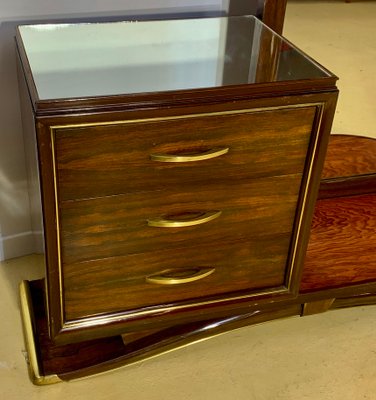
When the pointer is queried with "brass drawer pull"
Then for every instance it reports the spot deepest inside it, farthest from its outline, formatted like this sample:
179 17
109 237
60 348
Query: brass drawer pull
175 158
175 277
187 219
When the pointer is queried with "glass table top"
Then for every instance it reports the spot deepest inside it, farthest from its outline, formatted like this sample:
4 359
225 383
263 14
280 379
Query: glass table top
113 58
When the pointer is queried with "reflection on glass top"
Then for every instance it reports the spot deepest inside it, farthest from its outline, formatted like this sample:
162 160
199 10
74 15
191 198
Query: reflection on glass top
99 59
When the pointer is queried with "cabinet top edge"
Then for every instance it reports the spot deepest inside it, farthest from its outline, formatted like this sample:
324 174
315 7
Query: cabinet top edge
229 88
179 98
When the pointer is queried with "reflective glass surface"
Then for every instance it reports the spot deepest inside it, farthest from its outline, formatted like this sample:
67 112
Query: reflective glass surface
98 59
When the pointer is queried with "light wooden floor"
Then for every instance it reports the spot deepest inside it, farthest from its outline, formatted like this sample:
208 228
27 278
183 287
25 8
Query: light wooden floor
331 356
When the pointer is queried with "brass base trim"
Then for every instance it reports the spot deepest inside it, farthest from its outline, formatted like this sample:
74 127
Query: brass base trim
317 307
29 331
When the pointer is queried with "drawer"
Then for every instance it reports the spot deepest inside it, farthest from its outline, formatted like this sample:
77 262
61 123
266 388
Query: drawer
125 224
95 161
131 283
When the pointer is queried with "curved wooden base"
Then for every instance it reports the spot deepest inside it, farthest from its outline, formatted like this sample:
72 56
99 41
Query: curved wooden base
51 364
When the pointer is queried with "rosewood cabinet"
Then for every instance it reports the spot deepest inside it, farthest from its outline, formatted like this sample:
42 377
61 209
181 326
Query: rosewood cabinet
179 166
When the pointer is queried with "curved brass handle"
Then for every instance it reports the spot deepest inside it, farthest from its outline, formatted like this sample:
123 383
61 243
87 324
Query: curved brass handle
180 222
175 158
176 277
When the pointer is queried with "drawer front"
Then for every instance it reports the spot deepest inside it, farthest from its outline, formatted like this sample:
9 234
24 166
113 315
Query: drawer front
95 161
199 274
120 225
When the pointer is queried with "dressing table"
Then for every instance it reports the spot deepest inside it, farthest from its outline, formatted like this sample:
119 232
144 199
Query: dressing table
178 162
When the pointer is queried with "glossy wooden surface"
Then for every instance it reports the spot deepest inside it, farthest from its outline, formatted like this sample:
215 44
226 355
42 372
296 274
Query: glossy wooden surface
274 14
118 225
363 299
342 245
350 167
254 245
349 156
113 159
274 202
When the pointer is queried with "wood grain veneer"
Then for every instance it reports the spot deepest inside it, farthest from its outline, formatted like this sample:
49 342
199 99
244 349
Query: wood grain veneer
349 156
342 246
112 159
118 225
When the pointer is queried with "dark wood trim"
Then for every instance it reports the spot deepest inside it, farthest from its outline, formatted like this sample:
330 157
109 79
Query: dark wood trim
185 97
363 299
340 292
350 167
274 14
348 186
342 244
345 207
324 121
49 201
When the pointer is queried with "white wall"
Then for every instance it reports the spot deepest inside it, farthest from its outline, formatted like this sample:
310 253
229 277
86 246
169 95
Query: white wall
16 236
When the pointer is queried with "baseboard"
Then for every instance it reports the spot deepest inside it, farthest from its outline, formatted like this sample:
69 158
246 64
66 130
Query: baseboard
21 244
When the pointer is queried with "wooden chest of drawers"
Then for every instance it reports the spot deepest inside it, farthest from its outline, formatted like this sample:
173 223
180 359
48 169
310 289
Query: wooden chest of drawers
180 205
134 213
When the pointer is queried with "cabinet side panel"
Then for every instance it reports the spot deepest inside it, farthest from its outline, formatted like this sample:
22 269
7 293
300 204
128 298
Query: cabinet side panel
31 156
316 162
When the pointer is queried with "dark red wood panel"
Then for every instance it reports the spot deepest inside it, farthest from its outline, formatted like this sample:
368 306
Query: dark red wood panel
342 247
